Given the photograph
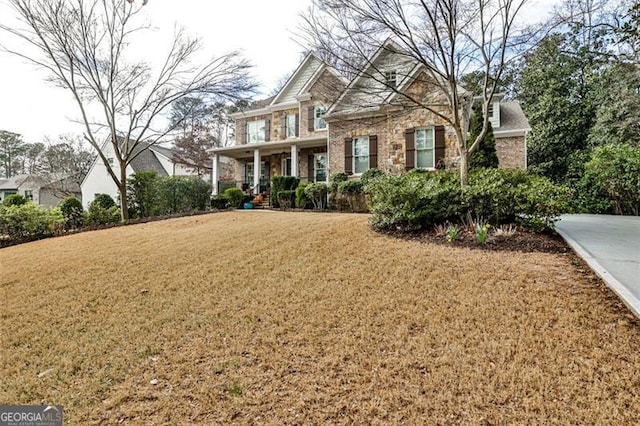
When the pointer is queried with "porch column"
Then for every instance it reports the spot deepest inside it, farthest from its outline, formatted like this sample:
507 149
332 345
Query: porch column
256 170
215 174
294 160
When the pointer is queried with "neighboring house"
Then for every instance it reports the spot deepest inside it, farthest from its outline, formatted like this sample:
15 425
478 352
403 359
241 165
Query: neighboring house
285 134
46 191
152 158
366 125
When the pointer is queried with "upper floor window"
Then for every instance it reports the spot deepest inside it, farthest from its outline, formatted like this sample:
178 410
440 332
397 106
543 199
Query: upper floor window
256 131
425 149
320 124
360 154
291 126
390 78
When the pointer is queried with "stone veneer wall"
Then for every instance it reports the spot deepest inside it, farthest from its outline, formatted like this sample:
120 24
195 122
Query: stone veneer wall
390 131
511 152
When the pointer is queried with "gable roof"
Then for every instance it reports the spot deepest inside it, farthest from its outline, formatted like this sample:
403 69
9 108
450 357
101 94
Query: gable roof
146 160
305 72
13 182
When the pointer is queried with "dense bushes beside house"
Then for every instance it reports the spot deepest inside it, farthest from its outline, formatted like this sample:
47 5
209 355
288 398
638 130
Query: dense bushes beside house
418 200
29 221
282 183
72 212
14 200
153 195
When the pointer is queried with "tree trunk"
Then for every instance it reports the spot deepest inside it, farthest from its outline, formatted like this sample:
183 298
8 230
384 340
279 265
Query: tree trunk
464 168
122 187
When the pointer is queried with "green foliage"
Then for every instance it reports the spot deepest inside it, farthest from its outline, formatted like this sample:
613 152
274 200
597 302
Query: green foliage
14 200
29 222
317 193
415 200
335 179
453 233
72 212
104 200
557 91
286 198
485 155
617 169
98 215
219 202
352 192
369 175
302 201
282 183
235 196
182 194
482 233
142 192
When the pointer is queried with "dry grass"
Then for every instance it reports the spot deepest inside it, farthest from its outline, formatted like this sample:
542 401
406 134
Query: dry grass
298 318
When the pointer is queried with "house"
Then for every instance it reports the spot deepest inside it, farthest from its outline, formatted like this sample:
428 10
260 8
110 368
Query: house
318 125
285 134
46 191
155 158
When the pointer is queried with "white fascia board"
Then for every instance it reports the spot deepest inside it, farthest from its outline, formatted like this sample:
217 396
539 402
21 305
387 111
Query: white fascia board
510 133
280 107
250 113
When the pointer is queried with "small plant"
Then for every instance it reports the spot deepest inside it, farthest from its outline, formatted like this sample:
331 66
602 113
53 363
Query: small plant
505 231
286 198
104 200
441 229
317 193
453 233
482 233
235 196
234 389
72 212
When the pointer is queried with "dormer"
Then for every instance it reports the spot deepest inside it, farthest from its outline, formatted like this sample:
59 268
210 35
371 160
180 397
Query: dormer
494 109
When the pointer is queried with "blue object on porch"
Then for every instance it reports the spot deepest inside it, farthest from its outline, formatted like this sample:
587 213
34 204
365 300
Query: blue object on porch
248 205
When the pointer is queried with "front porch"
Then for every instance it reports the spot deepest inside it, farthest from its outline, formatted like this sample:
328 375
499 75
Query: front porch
256 163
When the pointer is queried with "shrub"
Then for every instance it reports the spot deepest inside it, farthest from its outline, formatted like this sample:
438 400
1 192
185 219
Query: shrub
370 174
29 221
617 169
302 201
415 200
282 183
142 192
104 200
98 215
182 194
286 198
539 203
352 191
219 202
335 179
14 200
491 194
72 212
317 193
235 196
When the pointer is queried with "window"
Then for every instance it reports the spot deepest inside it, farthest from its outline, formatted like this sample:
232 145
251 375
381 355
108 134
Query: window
425 154
28 195
360 154
320 167
490 111
286 166
291 126
250 172
390 78
256 131
320 124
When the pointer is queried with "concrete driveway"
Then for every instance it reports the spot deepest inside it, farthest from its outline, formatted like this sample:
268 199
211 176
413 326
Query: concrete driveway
611 247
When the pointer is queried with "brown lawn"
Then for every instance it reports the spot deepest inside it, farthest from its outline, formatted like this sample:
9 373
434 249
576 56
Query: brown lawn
301 318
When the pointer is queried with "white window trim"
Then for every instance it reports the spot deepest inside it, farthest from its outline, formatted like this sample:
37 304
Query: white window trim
283 166
316 117
354 155
289 128
264 131
326 169
433 140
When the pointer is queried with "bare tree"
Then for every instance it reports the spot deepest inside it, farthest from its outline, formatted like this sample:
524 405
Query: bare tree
446 38
122 103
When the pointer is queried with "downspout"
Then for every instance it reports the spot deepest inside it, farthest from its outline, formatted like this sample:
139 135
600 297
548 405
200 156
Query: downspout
526 160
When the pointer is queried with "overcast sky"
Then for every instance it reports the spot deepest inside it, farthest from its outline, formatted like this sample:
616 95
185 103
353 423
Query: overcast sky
263 30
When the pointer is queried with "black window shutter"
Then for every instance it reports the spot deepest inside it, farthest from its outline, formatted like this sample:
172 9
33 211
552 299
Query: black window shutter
267 130
297 125
312 118
373 152
310 168
283 127
348 156
439 146
410 142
